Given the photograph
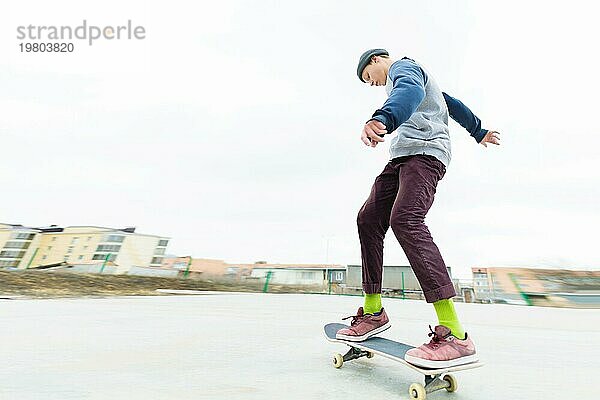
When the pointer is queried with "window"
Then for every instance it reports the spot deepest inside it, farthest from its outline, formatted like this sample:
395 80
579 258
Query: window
306 275
156 260
85 247
9 263
339 276
11 254
80 258
114 238
160 251
163 243
44 257
111 257
70 249
54 238
109 247
89 238
49 247
22 235
74 240
17 245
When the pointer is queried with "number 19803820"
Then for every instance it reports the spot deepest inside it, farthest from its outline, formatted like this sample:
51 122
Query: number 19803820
46 47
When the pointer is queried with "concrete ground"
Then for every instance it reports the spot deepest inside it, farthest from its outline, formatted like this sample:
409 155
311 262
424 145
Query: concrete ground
263 346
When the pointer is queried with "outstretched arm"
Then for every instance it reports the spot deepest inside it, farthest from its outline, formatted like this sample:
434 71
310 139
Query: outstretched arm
465 117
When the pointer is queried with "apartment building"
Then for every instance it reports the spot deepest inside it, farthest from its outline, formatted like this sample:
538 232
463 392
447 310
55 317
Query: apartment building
24 247
17 244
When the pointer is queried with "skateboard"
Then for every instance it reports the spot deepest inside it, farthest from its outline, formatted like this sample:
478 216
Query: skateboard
435 379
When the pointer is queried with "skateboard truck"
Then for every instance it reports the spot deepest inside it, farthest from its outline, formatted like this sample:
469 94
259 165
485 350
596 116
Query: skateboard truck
352 354
433 383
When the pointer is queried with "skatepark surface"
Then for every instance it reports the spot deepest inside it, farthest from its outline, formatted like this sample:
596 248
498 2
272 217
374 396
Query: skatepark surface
263 346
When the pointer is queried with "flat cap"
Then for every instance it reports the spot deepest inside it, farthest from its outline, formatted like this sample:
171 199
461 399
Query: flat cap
365 59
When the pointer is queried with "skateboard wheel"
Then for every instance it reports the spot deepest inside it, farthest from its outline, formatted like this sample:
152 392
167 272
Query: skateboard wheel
370 355
338 360
417 391
452 381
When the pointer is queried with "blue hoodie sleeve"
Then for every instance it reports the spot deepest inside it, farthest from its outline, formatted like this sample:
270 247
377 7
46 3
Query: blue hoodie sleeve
465 117
405 97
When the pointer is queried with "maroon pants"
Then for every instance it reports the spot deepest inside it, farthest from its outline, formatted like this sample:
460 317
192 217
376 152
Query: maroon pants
401 196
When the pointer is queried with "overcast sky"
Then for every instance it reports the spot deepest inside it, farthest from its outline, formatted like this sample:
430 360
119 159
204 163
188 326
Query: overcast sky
234 126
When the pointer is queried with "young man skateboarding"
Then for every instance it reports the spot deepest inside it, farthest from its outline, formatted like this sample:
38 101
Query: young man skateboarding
417 111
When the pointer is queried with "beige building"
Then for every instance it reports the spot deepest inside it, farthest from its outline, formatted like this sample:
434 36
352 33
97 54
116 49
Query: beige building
22 247
17 244
206 268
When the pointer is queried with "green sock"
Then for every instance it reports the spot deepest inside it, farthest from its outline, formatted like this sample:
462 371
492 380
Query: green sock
447 317
372 303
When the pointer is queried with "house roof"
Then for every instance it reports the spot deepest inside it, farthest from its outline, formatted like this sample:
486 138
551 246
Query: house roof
17 226
128 230
56 228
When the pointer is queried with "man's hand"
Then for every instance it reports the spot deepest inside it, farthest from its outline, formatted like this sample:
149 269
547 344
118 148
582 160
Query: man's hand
371 133
491 137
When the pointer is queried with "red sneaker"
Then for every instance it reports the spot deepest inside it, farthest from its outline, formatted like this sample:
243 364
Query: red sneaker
364 326
443 350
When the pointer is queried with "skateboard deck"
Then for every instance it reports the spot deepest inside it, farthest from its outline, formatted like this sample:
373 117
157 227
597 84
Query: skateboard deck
435 378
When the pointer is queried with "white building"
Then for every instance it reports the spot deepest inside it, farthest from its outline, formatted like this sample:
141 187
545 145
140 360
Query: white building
299 274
